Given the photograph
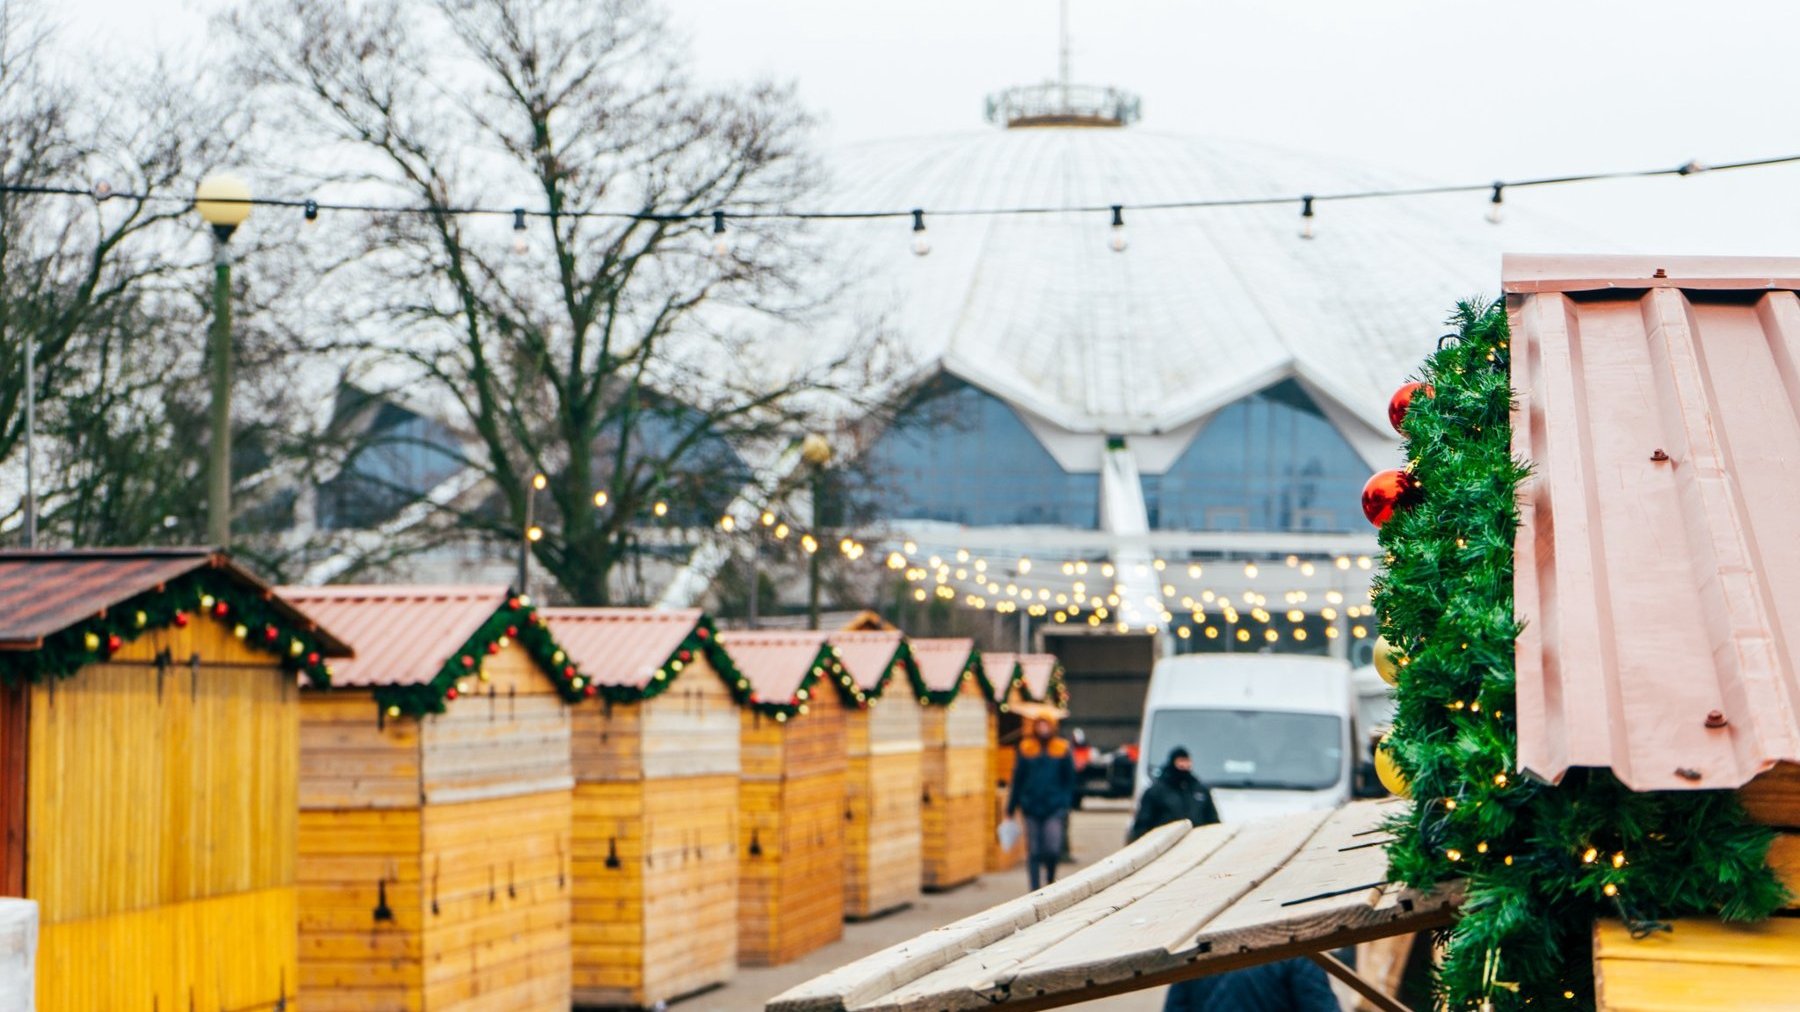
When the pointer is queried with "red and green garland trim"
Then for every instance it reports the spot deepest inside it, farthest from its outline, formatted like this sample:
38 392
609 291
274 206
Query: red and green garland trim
702 641
825 665
250 614
972 669
517 621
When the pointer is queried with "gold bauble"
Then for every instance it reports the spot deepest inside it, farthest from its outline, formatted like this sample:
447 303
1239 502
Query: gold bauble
1388 772
1385 664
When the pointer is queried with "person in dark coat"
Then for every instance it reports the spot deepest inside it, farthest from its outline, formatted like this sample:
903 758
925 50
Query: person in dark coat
1291 985
1175 794
1043 783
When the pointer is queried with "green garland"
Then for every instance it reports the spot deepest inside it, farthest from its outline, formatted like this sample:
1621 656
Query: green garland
516 621
1540 862
825 662
701 641
206 592
944 697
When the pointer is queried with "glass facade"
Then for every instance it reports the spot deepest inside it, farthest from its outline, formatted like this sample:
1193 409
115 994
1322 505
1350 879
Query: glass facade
404 456
1270 462
961 455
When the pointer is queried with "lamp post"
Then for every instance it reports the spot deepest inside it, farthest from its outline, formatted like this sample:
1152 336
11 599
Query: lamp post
816 451
223 201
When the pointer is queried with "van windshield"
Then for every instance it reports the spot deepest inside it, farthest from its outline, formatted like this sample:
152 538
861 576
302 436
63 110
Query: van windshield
1263 749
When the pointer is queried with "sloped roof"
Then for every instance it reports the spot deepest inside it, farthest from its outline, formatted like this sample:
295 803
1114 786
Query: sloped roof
1181 902
1038 671
1657 566
1207 305
403 635
868 656
45 592
942 661
773 662
1001 670
621 646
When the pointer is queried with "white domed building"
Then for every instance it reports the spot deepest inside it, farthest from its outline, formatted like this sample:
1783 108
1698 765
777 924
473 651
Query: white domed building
1193 414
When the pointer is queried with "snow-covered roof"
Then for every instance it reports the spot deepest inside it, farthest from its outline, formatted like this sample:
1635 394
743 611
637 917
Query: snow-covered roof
1205 307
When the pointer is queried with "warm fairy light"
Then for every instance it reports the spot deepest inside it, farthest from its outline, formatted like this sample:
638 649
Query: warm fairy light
1306 569
1249 570
727 524
1450 804
1359 632
768 519
1619 859
1342 562
661 508
1610 889
538 481
1194 572
1453 854
1243 635
1588 855
1481 848
534 533
1499 780
1295 615
781 531
1159 565
962 555
809 543
1024 566
1299 634
910 548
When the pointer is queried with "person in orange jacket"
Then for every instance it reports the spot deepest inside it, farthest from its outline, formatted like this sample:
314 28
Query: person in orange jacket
1043 785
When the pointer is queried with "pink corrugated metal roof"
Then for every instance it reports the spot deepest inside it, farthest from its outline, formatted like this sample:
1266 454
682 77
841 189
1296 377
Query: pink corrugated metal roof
1000 670
1657 591
773 662
867 655
621 646
402 635
942 661
45 592
1038 670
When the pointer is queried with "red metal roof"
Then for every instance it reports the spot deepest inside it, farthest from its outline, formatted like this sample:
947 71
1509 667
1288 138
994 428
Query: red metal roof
774 662
403 635
1038 670
1658 556
1000 669
45 592
867 655
621 646
942 661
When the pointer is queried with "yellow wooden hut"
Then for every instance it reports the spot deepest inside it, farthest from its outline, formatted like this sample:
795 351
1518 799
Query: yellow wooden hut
791 804
656 805
434 804
957 793
1035 689
883 841
148 773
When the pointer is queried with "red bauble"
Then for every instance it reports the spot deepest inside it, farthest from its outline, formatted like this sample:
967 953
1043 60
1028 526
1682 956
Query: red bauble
270 633
568 672
494 647
589 690
181 619
450 693
1386 492
513 631
1402 400
113 643
685 656
312 658
467 661
701 632
221 609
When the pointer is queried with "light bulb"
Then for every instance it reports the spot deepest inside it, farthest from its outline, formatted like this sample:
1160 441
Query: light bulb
310 212
1497 204
1119 241
721 244
1306 217
920 244
520 245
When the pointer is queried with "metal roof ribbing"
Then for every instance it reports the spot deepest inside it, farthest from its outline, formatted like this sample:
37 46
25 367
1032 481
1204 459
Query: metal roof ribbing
45 592
621 646
403 635
774 663
1657 566
942 661
868 655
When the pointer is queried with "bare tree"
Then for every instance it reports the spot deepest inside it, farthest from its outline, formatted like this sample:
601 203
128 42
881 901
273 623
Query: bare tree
613 353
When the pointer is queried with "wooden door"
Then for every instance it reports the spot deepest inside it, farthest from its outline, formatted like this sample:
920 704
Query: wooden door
14 724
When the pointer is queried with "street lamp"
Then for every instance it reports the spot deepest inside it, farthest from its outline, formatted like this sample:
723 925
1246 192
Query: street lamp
815 450
223 200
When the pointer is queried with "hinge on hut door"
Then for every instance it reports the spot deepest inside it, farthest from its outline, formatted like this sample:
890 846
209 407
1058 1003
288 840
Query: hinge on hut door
612 853
383 912
437 866
493 892
194 675
925 795
281 992
755 844
163 660
512 890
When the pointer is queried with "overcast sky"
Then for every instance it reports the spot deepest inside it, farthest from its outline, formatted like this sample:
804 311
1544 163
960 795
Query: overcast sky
1445 91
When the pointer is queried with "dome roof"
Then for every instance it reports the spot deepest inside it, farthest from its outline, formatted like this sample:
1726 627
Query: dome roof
1206 306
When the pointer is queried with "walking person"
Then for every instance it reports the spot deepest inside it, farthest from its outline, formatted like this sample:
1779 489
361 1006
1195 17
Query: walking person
1175 794
1043 784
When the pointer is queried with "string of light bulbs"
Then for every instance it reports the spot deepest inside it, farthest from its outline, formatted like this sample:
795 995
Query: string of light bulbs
1307 203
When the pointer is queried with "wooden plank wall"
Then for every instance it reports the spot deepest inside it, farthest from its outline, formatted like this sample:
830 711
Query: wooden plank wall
656 864
883 840
161 827
508 736
957 801
362 909
791 838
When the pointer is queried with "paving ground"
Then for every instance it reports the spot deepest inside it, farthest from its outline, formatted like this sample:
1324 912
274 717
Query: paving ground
1095 831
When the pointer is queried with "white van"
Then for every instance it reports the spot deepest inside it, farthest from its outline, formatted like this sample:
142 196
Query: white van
1269 733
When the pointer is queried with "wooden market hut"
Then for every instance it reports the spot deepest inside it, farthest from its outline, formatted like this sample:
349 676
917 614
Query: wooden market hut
1035 688
435 804
883 740
791 803
149 765
1657 567
655 862
957 793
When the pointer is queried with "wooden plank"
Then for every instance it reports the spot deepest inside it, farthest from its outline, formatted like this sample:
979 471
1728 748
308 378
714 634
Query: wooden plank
865 980
1699 964
1784 858
1774 797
